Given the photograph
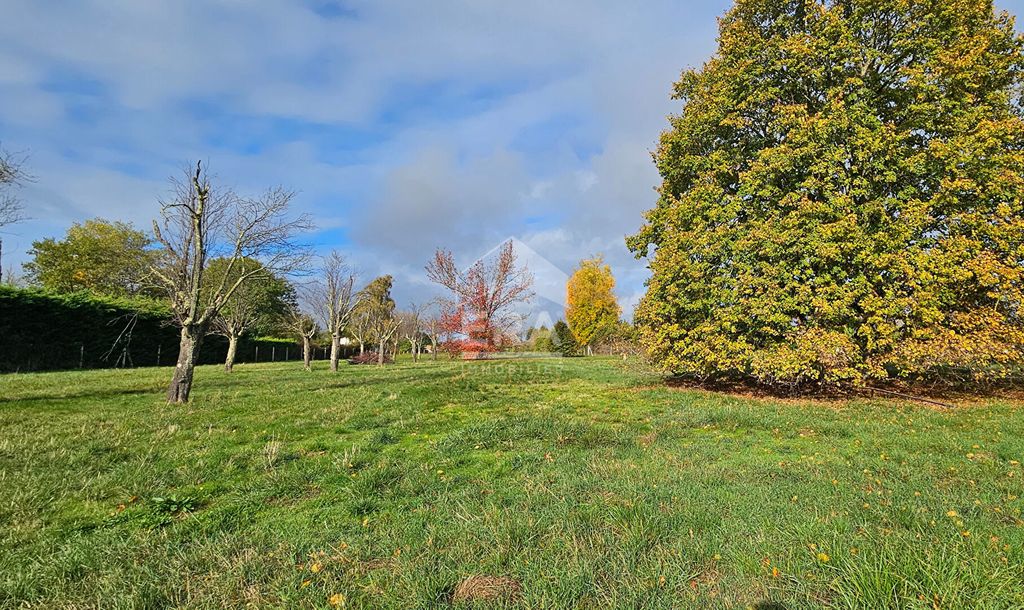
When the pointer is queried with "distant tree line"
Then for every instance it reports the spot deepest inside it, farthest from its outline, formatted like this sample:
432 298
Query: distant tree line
219 269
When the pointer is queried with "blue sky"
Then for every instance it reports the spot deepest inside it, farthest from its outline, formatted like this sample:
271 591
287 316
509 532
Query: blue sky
403 125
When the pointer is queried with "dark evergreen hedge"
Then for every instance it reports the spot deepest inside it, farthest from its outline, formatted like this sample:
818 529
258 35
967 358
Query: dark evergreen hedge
41 331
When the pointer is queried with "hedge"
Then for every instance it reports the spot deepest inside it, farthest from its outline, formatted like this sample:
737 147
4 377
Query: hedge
42 331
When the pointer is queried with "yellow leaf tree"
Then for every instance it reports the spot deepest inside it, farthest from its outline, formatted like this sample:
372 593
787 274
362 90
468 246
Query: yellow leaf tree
591 310
843 198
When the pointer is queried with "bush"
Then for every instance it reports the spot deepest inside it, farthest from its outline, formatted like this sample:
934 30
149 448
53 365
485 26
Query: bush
564 341
370 358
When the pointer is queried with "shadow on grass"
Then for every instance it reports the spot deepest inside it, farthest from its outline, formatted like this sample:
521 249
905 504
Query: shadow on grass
935 394
51 396
418 378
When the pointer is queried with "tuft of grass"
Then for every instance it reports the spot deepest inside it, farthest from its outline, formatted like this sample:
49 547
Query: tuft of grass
589 483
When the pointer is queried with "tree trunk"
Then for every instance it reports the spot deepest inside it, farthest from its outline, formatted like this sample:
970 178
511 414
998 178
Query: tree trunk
380 354
188 354
433 349
335 348
307 353
229 362
361 346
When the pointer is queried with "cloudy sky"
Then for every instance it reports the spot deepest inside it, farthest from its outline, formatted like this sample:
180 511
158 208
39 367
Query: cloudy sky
403 125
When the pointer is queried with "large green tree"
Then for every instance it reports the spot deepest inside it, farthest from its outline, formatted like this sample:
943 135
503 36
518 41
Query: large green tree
842 196
110 258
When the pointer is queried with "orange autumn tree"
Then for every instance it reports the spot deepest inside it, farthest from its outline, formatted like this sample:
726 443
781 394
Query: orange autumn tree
842 198
591 308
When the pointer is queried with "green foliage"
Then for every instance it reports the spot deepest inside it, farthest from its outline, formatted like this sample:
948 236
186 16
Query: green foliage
842 197
564 341
258 304
392 486
108 258
43 330
621 339
540 340
377 307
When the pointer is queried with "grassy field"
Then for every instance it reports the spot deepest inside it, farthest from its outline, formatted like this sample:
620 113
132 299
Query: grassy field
592 484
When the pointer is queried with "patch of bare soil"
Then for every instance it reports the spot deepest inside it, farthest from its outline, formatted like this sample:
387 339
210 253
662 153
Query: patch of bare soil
487 588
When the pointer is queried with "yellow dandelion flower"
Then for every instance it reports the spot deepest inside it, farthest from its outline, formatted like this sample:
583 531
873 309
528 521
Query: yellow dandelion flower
337 600
823 557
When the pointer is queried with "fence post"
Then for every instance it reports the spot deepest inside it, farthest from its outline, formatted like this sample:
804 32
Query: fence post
273 353
257 358
81 355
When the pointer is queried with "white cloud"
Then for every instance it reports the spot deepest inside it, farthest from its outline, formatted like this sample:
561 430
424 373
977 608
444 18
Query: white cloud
403 125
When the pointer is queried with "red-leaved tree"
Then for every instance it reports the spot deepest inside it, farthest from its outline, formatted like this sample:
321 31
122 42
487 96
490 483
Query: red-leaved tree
481 307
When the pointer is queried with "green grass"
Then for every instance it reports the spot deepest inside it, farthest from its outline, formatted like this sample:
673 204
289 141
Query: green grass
591 483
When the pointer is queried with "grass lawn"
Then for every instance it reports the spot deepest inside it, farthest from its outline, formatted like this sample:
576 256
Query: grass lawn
592 484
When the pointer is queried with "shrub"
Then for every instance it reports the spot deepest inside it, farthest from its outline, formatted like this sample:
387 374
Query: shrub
564 341
370 358
42 330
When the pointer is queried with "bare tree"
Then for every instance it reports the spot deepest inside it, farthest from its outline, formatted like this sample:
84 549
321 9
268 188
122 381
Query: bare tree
260 299
234 324
385 330
335 301
12 174
432 329
486 292
199 223
359 326
302 324
411 329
